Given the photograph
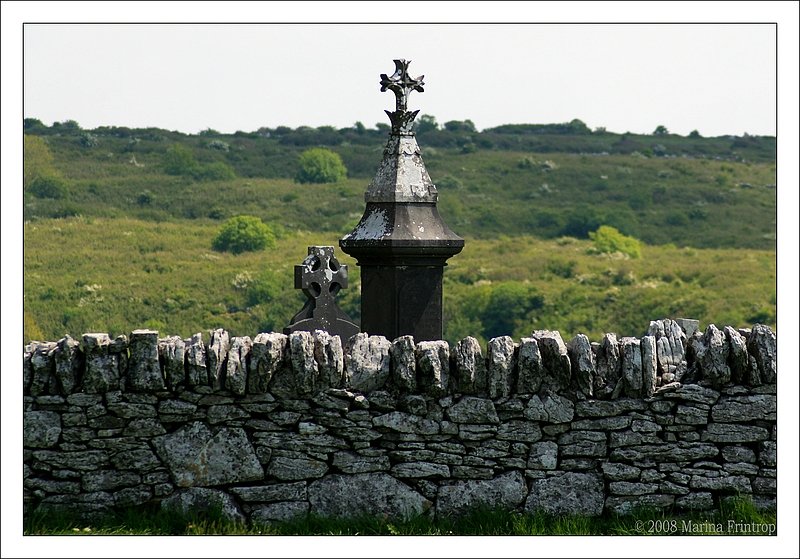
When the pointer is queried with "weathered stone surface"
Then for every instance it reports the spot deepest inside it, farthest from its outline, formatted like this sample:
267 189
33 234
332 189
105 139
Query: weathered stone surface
712 357
68 360
701 500
738 358
354 463
304 367
373 494
620 472
628 505
507 491
404 364
731 409
290 469
143 428
433 364
550 408
519 430
501 365
271 493
583 370
606 408
367 362
734 433
603 423
543 456
268 356
218 346
329 354
420 470
101 373
132 496
692 393
141 460
569 493
555 358
144 370
670 348
740 484
195 456
739 454
767 454
649 366
470 409
530 368
631 366
762 346
470 366
199 501
236 368
672 452
631 488
406 423
109 480
196 368
84 461
41 429
607 366
172 354
278 512
696 414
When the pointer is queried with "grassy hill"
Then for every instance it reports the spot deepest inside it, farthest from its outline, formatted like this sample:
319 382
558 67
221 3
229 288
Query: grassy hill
124 244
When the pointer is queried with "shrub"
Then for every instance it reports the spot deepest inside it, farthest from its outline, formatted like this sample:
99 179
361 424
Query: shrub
244 233
179 160
37 160
320 165
607 239
49 186
216 171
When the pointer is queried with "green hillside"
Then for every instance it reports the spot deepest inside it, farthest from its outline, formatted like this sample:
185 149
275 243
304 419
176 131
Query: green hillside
119 226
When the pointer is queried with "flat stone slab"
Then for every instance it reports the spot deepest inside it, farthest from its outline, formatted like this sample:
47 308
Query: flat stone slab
200 500
507 491
569 493
372 494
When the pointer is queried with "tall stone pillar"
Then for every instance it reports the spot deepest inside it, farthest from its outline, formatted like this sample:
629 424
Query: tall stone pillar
401 243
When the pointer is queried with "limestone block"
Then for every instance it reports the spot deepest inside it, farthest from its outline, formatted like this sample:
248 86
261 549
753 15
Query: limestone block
200 501
196 368
501 365
217 352
433 364
569 493
329 354
607 366
68 364
507 490
367 362
236 369
530 367
583 369
555 359
470 367
372 494
41 429
268 356
762 346
550 408
172 353
470 409
144 370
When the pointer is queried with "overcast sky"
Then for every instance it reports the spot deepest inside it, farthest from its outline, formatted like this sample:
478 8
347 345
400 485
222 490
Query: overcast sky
716 78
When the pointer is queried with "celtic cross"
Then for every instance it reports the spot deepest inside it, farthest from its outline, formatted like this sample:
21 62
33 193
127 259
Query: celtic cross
401 83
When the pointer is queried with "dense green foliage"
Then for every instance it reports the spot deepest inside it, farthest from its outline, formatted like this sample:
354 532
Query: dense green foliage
244 233
319 166
481 522
129 245
608 240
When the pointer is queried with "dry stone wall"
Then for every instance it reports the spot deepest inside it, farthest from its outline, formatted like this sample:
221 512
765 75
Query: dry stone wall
277 426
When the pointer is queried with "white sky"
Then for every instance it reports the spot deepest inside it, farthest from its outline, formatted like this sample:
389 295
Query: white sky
718 79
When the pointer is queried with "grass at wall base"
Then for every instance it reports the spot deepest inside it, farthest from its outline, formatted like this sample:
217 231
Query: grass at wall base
735 516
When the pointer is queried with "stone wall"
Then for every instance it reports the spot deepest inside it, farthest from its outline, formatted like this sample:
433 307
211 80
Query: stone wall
278 426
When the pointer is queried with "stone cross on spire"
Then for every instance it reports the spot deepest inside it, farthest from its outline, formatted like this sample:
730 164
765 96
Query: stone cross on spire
401 85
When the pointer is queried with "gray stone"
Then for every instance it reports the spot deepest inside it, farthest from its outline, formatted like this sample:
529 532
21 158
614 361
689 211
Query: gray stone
420 470
176 407
688 325
404 364
767 485
304 367
42 361
406 423
670 348
84 461
631 488
267 356
199 501
712 357
649 366
627 505
196 368
701 500
354 463
172 353
236 367
367 362
607 365
740 484
620 472
762 346
144 370
672 452
696 414
68 361
218 346
132 496
470 366
602 423
738 358
606 408
195 456
582 359
530 368
52 486
290 469
329 355
507 491
741 468
372 494
271 493
501 365
109 480
550 408
101 373
568 493
519 430
41 429
129 410
733 409
278 512
144 428
768 454
543 456
631 366
140 460
433 364
739 454
692 393
734 433
470 409
555 359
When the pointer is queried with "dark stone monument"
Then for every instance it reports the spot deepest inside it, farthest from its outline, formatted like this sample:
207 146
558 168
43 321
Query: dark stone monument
320 276
401 242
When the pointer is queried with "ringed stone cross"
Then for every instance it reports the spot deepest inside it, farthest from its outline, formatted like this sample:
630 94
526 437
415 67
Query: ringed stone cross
401 84
321 277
